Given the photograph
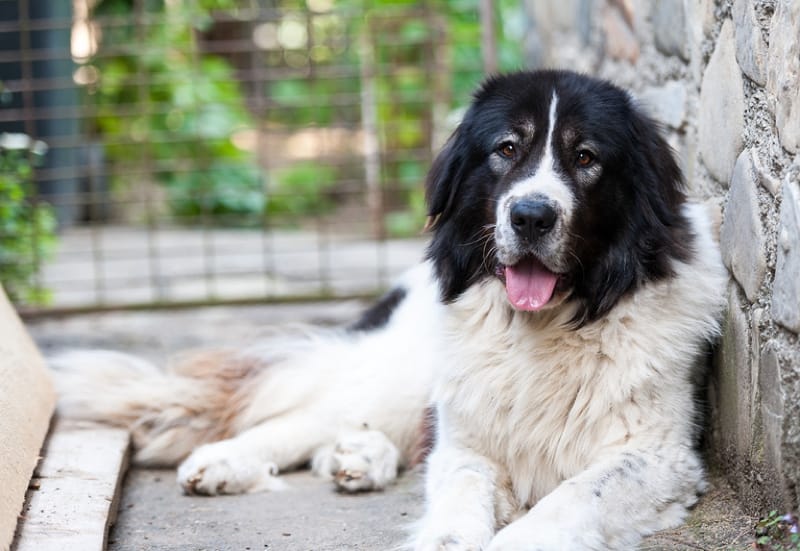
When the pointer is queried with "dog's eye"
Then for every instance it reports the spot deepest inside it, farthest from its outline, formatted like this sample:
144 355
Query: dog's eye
507 150
585 158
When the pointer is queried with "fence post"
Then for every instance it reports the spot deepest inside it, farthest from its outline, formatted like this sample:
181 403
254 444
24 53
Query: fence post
369 123
488 42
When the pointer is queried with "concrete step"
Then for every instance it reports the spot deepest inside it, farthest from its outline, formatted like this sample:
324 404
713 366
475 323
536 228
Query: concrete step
74 493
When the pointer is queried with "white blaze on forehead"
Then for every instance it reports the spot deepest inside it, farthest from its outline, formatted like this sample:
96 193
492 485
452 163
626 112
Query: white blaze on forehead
545 181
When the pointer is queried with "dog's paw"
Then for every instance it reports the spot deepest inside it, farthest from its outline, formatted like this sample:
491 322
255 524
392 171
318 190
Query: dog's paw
359 461
220 468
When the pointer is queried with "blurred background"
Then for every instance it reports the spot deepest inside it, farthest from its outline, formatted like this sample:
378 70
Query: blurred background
196 152
166 152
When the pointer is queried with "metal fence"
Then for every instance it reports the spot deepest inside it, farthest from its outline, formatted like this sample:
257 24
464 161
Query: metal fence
193 151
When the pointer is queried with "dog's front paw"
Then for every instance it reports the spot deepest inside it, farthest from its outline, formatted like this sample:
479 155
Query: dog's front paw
359 461
220 468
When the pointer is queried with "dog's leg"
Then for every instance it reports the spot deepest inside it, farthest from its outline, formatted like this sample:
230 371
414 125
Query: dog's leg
359 461
463 500
250 461
612 504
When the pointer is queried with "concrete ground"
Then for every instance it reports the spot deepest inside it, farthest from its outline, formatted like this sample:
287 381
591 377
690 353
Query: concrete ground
309 516
154 515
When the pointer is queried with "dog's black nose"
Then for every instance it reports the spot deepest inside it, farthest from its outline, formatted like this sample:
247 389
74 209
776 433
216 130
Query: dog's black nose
532 219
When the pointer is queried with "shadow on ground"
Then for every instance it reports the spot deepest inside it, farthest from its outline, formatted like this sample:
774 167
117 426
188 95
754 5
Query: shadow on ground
308 516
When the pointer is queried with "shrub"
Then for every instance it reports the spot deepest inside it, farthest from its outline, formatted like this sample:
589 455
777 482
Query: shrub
27 227
189 105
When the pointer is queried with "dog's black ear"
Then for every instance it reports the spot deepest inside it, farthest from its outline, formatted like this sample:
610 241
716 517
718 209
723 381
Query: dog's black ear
658 163
656 231
455 249
664 233
444 178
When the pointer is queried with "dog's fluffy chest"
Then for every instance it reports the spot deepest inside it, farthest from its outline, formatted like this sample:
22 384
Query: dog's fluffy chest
543 401
521 409
539 399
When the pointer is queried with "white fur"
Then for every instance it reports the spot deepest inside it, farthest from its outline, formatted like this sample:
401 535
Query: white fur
571 439
361 395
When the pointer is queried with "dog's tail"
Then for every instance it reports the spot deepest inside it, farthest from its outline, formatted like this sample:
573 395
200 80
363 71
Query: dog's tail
169 412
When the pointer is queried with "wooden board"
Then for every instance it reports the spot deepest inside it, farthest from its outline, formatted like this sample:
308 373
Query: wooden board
26 404
74 493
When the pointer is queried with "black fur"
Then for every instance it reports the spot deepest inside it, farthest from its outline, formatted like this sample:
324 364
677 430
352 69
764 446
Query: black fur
628 226
379 314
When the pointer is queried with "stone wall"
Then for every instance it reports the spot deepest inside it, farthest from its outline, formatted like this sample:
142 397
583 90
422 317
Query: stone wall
723 76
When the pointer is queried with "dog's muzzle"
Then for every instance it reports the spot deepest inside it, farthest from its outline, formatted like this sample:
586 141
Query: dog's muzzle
528 243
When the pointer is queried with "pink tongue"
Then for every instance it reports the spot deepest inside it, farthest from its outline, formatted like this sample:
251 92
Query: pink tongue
529 285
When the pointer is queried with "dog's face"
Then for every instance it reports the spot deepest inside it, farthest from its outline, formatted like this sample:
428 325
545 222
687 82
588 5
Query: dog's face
559 186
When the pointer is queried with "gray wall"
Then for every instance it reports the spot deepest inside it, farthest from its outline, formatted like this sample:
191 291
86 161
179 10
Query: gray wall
724 79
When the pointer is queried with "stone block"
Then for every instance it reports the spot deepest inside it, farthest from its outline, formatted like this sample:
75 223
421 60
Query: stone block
750 439
783 72
700 22
558 32
790 445
669 27
786 287
620 40
751 49
772 407
721 108
742 237
733 386
559 15
666 103
779 467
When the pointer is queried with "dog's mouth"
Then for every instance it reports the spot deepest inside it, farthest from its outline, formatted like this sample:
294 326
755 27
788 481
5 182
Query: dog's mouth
530 285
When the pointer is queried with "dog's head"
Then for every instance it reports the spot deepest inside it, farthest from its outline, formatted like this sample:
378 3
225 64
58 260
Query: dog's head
558 185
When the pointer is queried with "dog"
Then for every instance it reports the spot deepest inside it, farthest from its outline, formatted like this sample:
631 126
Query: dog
557 328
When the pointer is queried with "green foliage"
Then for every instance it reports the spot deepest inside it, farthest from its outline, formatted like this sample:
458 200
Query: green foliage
221 189
778 533
301 189
407 124
27 229
164 104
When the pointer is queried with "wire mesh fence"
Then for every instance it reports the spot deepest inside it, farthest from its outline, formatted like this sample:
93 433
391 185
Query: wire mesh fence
159 152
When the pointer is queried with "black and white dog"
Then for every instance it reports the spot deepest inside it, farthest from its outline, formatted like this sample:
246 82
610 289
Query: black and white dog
568 296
